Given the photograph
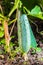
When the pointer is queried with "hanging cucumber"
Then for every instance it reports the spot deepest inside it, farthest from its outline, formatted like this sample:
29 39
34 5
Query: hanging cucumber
27 37
25 33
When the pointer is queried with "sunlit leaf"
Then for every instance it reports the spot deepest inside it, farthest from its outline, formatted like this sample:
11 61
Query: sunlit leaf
1 28
3 41
36 12
1 33
38 49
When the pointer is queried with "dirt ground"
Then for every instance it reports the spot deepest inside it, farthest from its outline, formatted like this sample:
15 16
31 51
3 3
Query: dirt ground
33 58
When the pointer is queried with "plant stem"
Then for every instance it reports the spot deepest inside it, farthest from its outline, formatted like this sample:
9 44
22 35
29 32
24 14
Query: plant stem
7 36
12 28
19 28
14 7
12 21
25 56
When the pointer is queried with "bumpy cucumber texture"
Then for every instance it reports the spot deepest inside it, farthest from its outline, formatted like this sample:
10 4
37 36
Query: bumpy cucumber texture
27 37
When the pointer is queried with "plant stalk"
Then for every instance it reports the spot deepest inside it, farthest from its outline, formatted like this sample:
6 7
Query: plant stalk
7 36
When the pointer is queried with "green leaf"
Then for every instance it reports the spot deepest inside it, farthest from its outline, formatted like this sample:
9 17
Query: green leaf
1 33
1 19
36 12
1 28
12 37
3 41
0 43
38 49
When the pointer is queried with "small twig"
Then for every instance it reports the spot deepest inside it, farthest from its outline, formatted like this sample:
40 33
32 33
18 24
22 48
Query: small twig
35 25
12 21
12 28
13 25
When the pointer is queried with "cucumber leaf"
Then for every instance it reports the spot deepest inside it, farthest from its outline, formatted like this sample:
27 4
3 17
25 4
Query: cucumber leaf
36 12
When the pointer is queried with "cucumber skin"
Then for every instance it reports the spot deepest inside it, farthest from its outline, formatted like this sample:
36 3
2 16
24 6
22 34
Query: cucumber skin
25 33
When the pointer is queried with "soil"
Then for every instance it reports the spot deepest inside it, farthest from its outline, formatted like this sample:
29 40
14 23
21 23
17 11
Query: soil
33 59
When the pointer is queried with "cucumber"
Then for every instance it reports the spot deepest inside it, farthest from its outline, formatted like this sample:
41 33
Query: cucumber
33 40
27 37
25 33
